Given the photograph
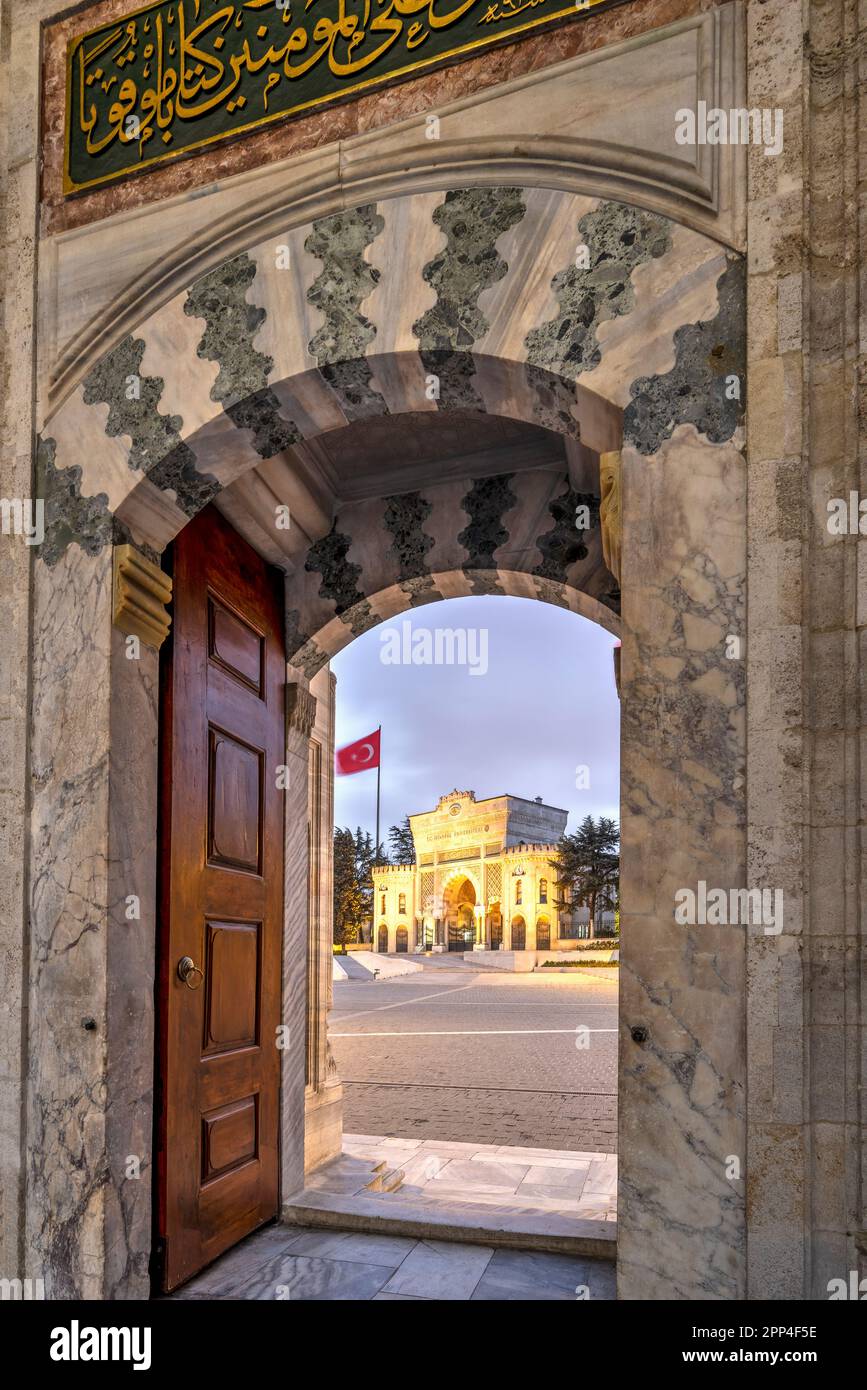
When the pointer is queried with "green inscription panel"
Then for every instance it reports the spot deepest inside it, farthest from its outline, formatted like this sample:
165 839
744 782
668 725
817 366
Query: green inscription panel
180 74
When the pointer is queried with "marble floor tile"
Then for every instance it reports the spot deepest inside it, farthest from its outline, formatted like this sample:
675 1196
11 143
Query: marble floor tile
543 1160
440 1195
509 1203
302 1278
441 1270
356 1246
530 1194
392 1158
570 1179
398 1298
481 1176
338 1183
527 1155
239 1263
457 1148
446 1150
602 1178
530 1276
318 1265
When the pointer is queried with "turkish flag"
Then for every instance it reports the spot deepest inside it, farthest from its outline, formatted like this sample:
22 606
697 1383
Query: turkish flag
357 757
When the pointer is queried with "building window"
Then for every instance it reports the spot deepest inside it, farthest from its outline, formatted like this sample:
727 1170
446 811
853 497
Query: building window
401 903
543 890
382 902
519 891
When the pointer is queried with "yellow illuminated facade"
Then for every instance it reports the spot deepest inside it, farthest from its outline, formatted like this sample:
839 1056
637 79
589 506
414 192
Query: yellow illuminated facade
482 879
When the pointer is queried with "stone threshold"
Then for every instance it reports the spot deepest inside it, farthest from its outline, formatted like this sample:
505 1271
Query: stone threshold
499 1227
360 1192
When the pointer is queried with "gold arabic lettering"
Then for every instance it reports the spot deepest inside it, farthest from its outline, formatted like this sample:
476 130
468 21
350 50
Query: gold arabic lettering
166 71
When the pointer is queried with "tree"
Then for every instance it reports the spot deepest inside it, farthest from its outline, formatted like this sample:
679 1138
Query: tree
363 850
348 898
402 844
588 866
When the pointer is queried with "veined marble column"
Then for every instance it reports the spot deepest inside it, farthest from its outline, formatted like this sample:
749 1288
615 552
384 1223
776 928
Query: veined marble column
681 1218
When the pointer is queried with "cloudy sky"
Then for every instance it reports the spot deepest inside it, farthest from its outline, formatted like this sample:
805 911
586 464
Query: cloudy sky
545 706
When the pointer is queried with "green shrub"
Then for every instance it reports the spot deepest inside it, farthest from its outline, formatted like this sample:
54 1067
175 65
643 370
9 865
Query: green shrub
579 964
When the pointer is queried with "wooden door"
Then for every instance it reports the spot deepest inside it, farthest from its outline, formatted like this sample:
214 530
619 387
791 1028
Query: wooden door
221 898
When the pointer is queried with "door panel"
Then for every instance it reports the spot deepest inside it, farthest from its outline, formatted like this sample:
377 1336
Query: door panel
221 898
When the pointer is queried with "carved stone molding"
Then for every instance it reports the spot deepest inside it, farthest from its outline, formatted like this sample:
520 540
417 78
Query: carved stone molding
610 510
300 708
141 591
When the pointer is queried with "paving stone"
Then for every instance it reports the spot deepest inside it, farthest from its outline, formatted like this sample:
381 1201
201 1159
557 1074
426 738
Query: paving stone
356 1247
481 1177
441 1270
519 1086
294 1278
531 1276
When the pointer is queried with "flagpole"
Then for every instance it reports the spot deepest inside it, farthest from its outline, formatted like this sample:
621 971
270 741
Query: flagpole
378 774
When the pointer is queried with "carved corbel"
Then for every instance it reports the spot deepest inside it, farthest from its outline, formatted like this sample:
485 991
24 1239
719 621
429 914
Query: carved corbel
141 591
300 708
609 509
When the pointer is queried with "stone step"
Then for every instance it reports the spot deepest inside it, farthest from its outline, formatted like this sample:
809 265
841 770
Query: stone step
385 1179
426 1218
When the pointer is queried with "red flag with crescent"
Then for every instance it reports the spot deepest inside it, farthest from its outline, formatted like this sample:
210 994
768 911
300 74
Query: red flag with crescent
358 756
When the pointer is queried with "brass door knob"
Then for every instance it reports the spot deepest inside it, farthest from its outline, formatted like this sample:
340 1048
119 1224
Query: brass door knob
187 969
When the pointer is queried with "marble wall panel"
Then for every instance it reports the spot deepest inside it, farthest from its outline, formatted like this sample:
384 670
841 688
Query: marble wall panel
68 1095
681 1096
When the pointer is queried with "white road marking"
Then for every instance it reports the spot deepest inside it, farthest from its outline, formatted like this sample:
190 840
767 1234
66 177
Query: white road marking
402 1003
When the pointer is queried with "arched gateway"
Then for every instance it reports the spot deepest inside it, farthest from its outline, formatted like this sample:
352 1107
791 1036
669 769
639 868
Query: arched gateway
536 382
416 321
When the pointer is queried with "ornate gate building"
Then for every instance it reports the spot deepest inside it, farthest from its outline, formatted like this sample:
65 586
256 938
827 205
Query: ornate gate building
483 871
386 326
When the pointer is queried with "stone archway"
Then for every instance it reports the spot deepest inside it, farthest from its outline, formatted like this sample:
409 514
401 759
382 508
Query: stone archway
236 378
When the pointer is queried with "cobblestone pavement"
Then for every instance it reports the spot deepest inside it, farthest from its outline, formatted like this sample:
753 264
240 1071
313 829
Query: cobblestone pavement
458 1054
